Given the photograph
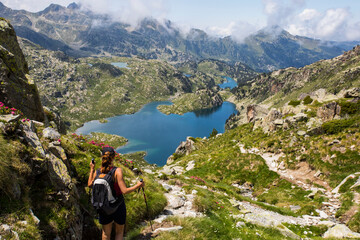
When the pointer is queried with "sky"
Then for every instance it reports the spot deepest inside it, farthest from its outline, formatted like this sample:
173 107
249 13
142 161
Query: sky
337 20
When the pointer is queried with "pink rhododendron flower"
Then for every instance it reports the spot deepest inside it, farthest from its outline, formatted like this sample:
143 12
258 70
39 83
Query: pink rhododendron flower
13 113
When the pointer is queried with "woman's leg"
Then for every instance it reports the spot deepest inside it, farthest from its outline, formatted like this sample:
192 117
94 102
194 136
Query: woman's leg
106 233
119 231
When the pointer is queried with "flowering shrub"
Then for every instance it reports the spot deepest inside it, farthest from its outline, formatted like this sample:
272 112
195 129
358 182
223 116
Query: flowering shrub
118 157
7 110
79 138
198 179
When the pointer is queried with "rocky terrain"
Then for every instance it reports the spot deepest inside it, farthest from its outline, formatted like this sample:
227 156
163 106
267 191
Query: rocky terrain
191 102
80 32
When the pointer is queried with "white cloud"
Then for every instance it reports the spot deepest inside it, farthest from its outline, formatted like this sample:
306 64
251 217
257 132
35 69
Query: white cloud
334 24
279 12
128 11
237 30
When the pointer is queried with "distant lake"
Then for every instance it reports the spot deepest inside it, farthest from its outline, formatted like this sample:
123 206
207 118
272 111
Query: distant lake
120 64
159 134
229 83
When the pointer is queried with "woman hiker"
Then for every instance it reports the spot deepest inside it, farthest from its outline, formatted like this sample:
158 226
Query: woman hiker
119 217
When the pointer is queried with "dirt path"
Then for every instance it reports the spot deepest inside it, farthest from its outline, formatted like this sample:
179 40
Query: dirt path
303 177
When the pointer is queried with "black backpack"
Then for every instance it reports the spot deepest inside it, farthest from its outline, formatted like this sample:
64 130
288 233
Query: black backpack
103 193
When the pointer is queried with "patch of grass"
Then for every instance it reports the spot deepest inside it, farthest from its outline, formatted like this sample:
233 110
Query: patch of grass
336 126
346 203
307 231
349 107
284 195
218 226
354 223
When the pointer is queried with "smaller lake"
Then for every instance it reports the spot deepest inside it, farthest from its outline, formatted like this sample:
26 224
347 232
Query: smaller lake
120 65
159 134
229 83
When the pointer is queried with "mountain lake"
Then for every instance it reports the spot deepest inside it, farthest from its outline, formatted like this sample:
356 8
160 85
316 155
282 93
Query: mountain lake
159 134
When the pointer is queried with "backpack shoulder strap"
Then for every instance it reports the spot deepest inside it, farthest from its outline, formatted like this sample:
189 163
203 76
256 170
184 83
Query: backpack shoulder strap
97 173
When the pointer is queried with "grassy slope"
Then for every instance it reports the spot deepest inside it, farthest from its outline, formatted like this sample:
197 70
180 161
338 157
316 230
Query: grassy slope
219 163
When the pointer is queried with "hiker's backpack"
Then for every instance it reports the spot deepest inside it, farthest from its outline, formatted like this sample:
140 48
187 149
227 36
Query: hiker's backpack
103 193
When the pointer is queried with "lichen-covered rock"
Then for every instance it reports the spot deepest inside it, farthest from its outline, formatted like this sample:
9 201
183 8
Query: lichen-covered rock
340 231
9 118
329 111
58 151
16 88
32 139
51 134
266 220
58 172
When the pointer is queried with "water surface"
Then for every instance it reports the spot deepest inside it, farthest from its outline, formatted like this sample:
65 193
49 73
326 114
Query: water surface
159 134
229 83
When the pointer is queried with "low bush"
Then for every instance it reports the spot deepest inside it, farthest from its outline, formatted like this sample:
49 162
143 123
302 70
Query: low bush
307 100
294 103
349 108
337 126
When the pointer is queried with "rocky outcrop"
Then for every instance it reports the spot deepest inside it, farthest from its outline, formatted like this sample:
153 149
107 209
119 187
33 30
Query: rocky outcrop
47 165
16 88
352 93
254 112
341 231
185 148
329 111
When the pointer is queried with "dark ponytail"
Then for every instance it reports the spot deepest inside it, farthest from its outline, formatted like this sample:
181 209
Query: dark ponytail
106 161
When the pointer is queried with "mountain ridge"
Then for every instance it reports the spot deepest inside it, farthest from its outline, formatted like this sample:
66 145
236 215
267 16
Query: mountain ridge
165 41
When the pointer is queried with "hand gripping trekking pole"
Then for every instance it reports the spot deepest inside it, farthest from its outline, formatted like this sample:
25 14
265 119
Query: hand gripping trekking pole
147 207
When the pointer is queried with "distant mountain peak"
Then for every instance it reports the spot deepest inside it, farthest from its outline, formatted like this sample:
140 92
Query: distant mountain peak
73 6
53 8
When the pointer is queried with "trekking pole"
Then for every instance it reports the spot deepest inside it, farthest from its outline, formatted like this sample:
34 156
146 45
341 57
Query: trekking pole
147 207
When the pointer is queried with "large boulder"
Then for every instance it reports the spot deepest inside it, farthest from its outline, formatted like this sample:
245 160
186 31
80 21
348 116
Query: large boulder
51 134
352 93
58 172
340 231
185 148
32 138
16 89
255 112
329 111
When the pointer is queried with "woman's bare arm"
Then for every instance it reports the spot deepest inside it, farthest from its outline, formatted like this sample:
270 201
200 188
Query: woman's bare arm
122 185
91 174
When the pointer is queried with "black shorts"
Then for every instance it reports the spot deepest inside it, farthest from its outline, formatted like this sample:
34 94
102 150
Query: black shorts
119 216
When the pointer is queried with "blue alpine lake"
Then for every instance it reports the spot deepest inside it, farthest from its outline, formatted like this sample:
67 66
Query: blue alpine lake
120 64
159 134
229 83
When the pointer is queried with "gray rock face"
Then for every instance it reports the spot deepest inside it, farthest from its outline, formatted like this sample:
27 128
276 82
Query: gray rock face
185 148
58 173
51 134
9 118
59 152
352 93
266 220
340 231
32 139
329 111
254 112
16 89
